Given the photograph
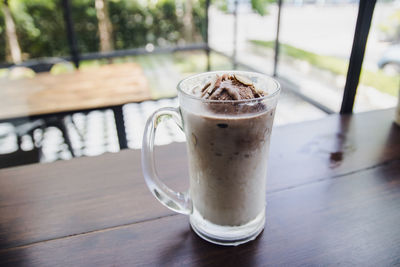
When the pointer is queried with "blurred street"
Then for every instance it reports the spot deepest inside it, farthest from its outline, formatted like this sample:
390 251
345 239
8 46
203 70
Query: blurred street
326 30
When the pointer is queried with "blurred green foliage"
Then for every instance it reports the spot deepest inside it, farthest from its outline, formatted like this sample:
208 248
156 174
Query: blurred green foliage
261 6
41 31
2 37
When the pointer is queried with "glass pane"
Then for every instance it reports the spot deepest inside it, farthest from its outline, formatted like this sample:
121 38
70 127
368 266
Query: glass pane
316 39
256 32
380 77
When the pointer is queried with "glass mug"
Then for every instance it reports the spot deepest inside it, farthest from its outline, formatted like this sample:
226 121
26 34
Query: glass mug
228 145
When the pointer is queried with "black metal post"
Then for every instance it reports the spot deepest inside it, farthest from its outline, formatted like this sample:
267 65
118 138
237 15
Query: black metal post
120 125
364 18
206 36
73 47
235 30
278 26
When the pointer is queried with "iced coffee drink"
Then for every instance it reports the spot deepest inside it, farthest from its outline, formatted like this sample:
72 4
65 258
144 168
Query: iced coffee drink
227 118
228 150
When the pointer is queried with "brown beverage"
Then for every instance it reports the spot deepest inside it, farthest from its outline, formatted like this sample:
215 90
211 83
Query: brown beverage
228 165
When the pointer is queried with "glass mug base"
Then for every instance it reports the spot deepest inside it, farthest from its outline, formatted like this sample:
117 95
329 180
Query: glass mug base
227 235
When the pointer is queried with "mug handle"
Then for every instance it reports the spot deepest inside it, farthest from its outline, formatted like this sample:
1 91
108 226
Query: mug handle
177 201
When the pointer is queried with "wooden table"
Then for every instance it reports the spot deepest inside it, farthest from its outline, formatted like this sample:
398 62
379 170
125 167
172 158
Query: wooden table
333 199
108 86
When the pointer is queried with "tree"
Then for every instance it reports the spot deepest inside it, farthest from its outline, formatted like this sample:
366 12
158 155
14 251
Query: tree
11 34
105 29
188 21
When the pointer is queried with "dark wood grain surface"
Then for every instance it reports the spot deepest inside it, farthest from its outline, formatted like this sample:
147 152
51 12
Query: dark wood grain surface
347 221
334 146
333 198
41 202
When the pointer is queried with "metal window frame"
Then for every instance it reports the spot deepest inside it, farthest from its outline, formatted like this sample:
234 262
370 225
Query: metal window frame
71 36
363 25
